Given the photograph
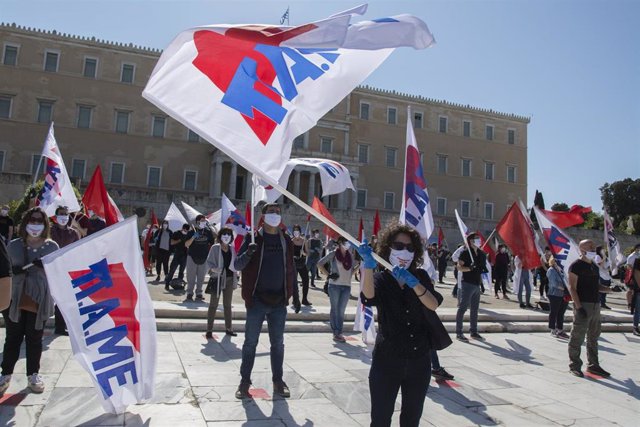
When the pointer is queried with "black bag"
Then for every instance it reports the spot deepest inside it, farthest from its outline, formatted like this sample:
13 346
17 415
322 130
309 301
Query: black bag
439 338
212 285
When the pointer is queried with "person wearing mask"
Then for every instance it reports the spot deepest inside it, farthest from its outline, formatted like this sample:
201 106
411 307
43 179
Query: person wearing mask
557 302
629 263
584 287
300 247
314 252
268 276
339 277
5 276
604 266
95 223
6 225
541 272
501 271
221 261
454 257
522 280
198 242
402 353
443 258
162 243
179 261
472 263
63 235
31 303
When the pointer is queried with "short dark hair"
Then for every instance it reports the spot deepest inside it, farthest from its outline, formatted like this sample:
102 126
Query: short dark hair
185 226
268 205
199 217
222 232
315 230
472 236
637 246
60 208
296 227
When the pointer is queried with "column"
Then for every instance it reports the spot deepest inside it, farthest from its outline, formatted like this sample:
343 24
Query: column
218 179
296 183
233 180
354 197
312 187
248 186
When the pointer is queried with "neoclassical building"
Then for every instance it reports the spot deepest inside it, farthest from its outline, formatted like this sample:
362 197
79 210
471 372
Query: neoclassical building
475 160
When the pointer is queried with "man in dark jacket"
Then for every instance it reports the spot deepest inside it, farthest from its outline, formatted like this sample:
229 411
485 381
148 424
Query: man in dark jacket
268 275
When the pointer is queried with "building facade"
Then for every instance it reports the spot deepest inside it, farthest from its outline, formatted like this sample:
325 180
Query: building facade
474 160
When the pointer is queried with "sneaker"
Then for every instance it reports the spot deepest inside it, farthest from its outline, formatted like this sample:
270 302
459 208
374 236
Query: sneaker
166 287
306 302
243 390
189 298
477 336
505 296
543 298
597 370
281 388
523 305
209 335
441 374
462 338
199 298
605 306
530 306
576 372
157 279
231 333
554 333
35 383
636 332
563 334
339 338
5 380
497 296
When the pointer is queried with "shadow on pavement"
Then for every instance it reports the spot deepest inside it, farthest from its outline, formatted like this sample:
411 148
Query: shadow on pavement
517 352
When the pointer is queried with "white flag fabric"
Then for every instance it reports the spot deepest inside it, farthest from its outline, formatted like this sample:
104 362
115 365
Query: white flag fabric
416 208
564 248
190 211
364 321
57 189
99 285
232 218
175 218
613 246
115 207
251 89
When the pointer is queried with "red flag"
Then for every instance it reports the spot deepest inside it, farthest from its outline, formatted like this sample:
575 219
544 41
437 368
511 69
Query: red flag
248 213
568 219
361 230
441 239
486 247
320 207
154 219
514 230
97 199
376 223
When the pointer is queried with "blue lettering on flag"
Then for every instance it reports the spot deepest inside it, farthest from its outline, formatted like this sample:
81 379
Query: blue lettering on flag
383 20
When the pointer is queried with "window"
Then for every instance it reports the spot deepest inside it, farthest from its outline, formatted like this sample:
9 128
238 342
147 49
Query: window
466 128
127 74
511 174
5 107
38 167
122 121
90 67
465 208
153 176
389 199
190 179
51 61
442 124
488 132
364 111
441 208
192 136
116 174
361 201
488 211
157 126
466 167
442 164
488 171
298 143
392 115
363 153
511 136
391 154
1 161
10 56
78 168
240 187
84 116
417 120
326 145
45 111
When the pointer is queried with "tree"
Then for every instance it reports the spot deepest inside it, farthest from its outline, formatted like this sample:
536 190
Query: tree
560 207
621 199
19 206
593 221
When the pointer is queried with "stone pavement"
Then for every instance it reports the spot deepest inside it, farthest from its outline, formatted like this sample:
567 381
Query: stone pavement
511 379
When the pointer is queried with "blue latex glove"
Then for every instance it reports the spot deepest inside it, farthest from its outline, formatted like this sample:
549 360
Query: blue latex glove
365 252
403 276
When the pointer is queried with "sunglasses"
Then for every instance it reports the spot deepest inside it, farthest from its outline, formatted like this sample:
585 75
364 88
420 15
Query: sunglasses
36 220
398 246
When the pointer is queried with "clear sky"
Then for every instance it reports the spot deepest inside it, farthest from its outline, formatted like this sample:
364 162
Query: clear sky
573 66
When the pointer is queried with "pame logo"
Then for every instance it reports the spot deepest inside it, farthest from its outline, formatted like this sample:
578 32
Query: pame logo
51 186
416 197
558 243
256 73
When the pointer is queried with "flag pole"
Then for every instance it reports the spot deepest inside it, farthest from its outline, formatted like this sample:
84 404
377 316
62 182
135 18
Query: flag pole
253 193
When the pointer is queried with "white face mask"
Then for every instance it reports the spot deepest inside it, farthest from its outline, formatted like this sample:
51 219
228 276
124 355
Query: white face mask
477 242
184 231
317 236
402 258
34 230
503 250
346 246
225 239
62 219
273 219
202 224
4 212
590 255
296 233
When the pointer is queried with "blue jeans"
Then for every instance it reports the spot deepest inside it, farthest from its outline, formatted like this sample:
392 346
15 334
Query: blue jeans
526 284
468 297
338 298
276 317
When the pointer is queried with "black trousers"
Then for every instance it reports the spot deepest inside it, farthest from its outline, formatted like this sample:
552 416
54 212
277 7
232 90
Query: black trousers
557 307
60 325
389 374
162 261
441 272
501 283
179 262
25 330
304 280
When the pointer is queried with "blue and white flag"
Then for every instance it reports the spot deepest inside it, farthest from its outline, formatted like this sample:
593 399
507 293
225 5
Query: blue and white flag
365 321
613 246
564 249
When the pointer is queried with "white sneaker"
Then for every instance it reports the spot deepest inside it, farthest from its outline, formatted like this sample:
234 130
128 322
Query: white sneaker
5 380
543 298
36 384
554 333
